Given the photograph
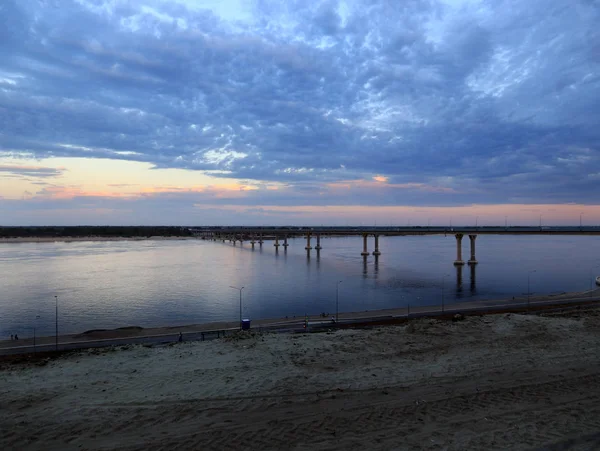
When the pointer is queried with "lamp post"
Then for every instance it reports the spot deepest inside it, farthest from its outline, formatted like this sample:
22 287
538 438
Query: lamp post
240 290
443 279
56 323
528 285
337 300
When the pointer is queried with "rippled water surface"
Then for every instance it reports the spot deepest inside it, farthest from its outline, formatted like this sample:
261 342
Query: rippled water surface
152 283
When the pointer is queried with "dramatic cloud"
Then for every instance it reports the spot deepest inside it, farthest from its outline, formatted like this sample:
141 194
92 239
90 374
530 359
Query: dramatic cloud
382 102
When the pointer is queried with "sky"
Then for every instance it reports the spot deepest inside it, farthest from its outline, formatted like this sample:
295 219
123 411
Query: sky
234 112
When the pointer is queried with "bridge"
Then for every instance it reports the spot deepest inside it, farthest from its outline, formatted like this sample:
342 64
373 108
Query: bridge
280 235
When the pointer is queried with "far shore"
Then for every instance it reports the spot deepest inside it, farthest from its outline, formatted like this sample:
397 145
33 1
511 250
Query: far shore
68 239
138 331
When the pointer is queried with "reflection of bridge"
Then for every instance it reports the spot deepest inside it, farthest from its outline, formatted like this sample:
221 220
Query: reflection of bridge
259 234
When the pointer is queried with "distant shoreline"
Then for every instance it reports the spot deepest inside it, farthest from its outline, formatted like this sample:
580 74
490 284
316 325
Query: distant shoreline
67 239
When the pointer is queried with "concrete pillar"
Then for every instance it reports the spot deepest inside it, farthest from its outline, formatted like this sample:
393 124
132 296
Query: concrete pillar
472 260
376 253
260 240
308 248
276 244
252 241
318 246
365 252
459 260
285 243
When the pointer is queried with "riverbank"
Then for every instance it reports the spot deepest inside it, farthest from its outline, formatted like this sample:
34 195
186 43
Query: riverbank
371 315
494 382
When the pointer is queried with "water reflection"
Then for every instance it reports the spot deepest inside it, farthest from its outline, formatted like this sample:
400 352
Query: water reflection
473 281
459 277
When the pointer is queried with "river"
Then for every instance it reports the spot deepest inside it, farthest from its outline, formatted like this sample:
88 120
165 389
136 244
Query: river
108 284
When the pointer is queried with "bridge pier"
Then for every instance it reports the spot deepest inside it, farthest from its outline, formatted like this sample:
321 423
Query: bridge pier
260 240
285 243
308 247
276 244
252 241
318 246
376 253
459 260
472 260
365 252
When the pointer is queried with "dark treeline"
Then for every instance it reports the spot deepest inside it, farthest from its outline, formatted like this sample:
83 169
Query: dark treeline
98 231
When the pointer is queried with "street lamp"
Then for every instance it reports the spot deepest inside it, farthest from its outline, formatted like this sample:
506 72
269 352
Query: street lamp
443 279
337 300
56 322
528 284
240 290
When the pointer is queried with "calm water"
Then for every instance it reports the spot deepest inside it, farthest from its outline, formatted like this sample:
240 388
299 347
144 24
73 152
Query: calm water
152 283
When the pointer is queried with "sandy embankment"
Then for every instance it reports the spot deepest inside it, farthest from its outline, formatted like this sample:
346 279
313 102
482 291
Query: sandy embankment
493 382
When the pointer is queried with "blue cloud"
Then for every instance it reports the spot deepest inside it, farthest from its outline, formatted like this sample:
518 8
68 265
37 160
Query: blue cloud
496 100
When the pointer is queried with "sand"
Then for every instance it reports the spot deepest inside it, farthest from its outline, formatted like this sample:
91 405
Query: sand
493 382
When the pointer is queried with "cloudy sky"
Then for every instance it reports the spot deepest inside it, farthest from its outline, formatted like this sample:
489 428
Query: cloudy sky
299 112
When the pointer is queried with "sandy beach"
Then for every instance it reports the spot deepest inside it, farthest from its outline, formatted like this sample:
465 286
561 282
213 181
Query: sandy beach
491 382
